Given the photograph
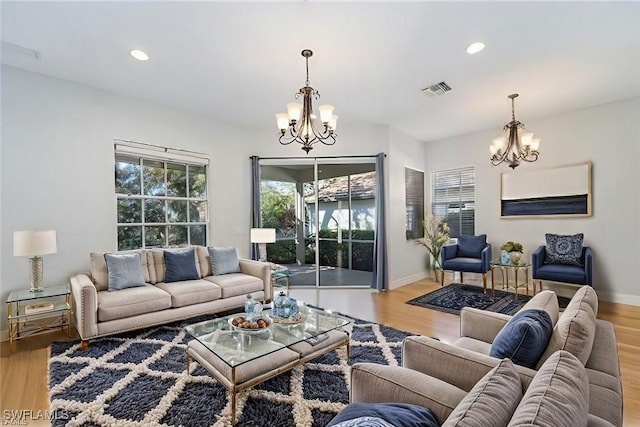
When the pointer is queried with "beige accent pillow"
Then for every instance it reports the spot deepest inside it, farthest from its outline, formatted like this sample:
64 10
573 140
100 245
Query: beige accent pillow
205 261
547 301
491 401
158 261
576 328
98 268
557 396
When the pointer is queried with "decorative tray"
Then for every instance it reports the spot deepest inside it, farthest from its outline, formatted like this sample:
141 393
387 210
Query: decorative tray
293 320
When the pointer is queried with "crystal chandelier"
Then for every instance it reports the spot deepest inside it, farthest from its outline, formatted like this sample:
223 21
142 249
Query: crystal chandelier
298 123
516 146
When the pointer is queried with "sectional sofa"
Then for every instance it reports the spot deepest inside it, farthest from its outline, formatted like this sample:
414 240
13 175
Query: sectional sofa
99 312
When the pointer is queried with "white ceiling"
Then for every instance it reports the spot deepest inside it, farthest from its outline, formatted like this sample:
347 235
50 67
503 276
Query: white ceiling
240 62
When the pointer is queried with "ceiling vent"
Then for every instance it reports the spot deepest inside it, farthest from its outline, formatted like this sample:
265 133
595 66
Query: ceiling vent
437 89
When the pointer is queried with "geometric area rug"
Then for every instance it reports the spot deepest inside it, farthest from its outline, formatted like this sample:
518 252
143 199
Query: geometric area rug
452 298
140 379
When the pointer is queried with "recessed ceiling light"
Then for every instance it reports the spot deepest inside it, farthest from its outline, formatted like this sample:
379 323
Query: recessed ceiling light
475 48
139 55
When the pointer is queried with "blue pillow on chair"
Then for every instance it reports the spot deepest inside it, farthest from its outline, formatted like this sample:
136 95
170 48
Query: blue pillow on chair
524 338
384 414
471 246
564 249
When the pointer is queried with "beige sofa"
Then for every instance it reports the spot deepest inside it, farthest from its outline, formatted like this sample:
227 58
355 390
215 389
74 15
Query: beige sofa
557 395
98 312
576 330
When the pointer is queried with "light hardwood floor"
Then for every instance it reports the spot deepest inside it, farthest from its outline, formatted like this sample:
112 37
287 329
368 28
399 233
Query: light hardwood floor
24 372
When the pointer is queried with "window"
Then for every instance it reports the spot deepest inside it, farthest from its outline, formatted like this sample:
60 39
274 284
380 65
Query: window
453 199
161 198
414 201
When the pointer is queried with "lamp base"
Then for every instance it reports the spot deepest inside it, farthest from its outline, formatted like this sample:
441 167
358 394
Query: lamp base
262 252
36 274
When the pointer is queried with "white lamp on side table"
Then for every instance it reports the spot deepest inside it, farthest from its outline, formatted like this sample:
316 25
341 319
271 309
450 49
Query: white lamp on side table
33 244
262 236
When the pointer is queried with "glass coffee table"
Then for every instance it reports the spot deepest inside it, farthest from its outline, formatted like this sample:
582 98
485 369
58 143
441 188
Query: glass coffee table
240 359
504 269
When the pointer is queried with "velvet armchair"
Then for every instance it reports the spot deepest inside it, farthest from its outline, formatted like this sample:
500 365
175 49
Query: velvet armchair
565 273
471 254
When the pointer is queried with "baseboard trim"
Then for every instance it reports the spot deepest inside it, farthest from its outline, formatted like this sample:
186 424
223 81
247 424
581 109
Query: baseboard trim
567 290
408 279
619 298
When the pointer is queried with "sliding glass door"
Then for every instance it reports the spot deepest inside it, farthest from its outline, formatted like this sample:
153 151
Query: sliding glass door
324 215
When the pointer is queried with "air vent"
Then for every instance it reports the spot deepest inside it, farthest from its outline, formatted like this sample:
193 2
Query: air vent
436 89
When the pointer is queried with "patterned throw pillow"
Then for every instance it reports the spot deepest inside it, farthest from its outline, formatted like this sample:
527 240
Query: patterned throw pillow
564 249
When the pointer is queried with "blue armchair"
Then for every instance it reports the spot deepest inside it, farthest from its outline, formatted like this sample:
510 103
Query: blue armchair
574 274
470 254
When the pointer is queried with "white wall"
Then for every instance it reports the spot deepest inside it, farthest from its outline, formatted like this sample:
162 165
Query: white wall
57 169
407 260
608 136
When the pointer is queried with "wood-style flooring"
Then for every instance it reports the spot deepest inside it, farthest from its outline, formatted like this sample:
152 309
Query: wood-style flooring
24 371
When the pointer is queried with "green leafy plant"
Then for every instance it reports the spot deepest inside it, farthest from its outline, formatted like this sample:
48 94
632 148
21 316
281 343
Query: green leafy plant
436 234
512 247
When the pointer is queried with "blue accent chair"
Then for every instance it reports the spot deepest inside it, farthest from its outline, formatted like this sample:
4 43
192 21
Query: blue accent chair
573 274
471 254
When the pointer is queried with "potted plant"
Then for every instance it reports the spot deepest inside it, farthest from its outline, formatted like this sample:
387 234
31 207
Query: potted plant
515 251
436 234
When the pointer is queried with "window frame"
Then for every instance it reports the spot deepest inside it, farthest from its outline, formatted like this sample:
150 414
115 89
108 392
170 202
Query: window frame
463 189
139 154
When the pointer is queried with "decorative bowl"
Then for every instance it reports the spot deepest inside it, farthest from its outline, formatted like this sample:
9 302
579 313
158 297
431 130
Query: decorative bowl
258 326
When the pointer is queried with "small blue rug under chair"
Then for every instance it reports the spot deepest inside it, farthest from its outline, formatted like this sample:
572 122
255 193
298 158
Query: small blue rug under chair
140 379
452 298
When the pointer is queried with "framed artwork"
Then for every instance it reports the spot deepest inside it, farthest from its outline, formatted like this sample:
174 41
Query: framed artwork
563 191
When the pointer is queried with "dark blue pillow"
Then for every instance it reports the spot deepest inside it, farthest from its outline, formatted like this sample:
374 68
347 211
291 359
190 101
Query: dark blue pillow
563 249
471 246
397 414
180 266
524 338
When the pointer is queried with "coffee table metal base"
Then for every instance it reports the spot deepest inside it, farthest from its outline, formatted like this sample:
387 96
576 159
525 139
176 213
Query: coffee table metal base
248 374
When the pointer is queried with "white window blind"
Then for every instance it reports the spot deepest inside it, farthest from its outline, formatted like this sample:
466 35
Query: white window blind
453 199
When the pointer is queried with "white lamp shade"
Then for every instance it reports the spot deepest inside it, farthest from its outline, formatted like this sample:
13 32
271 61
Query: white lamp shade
333 123
283 121
326 112
526 138
34 243
294 109
535 143
263 235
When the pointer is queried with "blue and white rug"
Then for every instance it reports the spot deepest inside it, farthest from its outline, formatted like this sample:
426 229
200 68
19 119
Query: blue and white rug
140 379
452 298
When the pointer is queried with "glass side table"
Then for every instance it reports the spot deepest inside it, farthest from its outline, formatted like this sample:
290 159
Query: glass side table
33 313
504 269
279 276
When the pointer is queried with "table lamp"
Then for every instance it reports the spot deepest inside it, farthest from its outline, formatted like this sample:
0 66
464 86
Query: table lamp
33 244
262 236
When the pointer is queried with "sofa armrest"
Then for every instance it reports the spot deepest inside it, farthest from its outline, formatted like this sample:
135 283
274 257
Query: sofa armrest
454 365
84 299
481 325
587 256
448 252
261 270
374 383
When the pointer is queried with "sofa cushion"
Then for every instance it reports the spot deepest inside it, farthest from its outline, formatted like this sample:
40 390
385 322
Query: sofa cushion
224 260
159 264
491 401
545 300
191 292
235 284
471 246
180 266
395 414
562 249
98 268
557 396
131 302
524 338
123 271
205 261
576 327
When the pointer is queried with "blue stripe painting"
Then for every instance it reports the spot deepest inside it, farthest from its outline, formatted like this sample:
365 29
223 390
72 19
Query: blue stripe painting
562 205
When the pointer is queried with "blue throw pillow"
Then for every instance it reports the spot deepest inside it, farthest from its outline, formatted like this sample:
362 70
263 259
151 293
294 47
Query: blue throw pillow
180 266
471 246
124 271
563 249
224 260
524 338
396 414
